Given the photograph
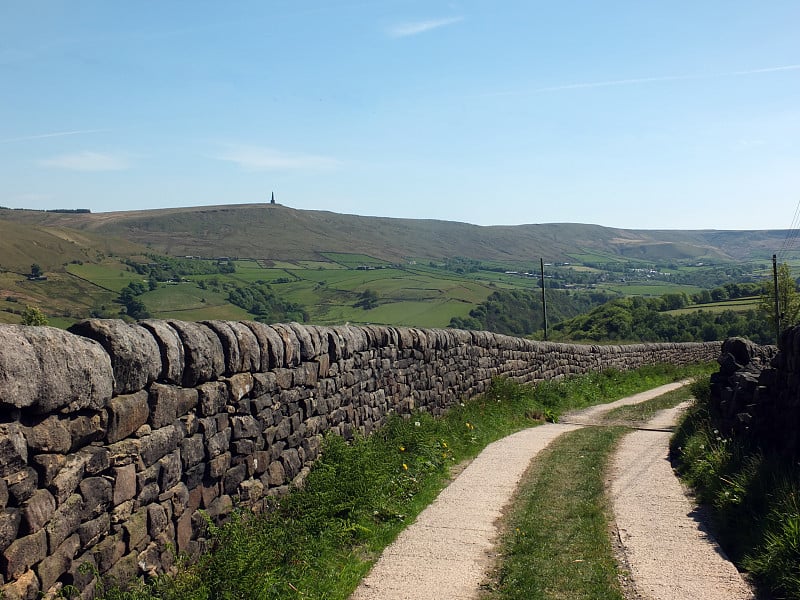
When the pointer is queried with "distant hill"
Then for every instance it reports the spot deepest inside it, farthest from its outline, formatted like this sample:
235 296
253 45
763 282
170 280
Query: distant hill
264 231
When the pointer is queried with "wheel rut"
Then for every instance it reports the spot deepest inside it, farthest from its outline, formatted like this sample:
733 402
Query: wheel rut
447 551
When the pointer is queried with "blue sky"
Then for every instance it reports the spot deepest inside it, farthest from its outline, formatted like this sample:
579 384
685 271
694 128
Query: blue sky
657 115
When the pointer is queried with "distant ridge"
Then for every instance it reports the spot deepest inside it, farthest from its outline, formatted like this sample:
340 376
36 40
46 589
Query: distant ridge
278 232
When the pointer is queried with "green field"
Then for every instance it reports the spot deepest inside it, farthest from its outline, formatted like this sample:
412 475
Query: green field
738 305
109 274
654 288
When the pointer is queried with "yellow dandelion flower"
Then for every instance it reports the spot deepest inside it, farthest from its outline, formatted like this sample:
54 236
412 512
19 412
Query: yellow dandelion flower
402 448
444 444
405 467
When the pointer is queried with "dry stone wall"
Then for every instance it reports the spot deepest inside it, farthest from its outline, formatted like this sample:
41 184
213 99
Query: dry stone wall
117 440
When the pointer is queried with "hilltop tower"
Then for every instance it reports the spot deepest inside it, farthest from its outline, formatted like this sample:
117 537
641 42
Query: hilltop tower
272 200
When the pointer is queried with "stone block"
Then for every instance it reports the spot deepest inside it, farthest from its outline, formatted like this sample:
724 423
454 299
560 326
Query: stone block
126 414
291 462
220 507
135 355
87 428
275 475
91 531
251 490
291 345
46 369
159 443
307 374
183 531
124 483
10 519
23 553
108 551
37 510
203 353
212 398
64 521
58 562
3 494
264 384
305 340
218 443
168 402
157 520
219 465
170 470
192 450
230 345
193 476
239 386
22 484
13 448
284 378
68 478
270 344
135 529
233 477
249 348
50 435
171 347
97 493
97 459
126 569
25 587
147 495
245 426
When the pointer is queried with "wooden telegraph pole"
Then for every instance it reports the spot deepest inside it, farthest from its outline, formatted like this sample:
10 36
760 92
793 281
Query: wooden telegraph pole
544 300
777 305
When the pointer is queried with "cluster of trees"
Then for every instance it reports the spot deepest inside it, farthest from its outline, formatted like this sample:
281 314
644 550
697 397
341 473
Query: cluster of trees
367 299
601 318
730 291
520 313
259 299
128 297
643 320
166 268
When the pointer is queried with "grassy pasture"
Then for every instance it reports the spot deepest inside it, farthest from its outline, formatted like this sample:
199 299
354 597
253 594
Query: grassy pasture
738 305
109 274
651 288
354 260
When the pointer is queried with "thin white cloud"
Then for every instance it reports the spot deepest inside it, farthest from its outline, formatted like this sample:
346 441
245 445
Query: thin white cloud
51 135
417 27
768 70
86 161
255 158
641 80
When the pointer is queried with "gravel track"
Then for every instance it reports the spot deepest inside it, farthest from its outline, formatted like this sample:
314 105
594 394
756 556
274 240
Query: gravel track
668 549
447 551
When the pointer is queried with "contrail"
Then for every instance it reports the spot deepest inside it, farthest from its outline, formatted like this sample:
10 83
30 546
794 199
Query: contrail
638 80
51 135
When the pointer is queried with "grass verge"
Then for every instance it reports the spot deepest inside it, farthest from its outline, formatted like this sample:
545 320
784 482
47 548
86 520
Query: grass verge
556 542
754 498
320 540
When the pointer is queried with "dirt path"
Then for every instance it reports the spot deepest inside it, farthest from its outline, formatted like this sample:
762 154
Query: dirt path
669 552
445 552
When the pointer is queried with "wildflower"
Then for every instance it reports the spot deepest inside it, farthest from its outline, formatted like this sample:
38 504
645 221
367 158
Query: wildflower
417 423
405 467
444 444
402 448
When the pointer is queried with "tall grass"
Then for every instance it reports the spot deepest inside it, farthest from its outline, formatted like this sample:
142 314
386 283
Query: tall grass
320 540
754 497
